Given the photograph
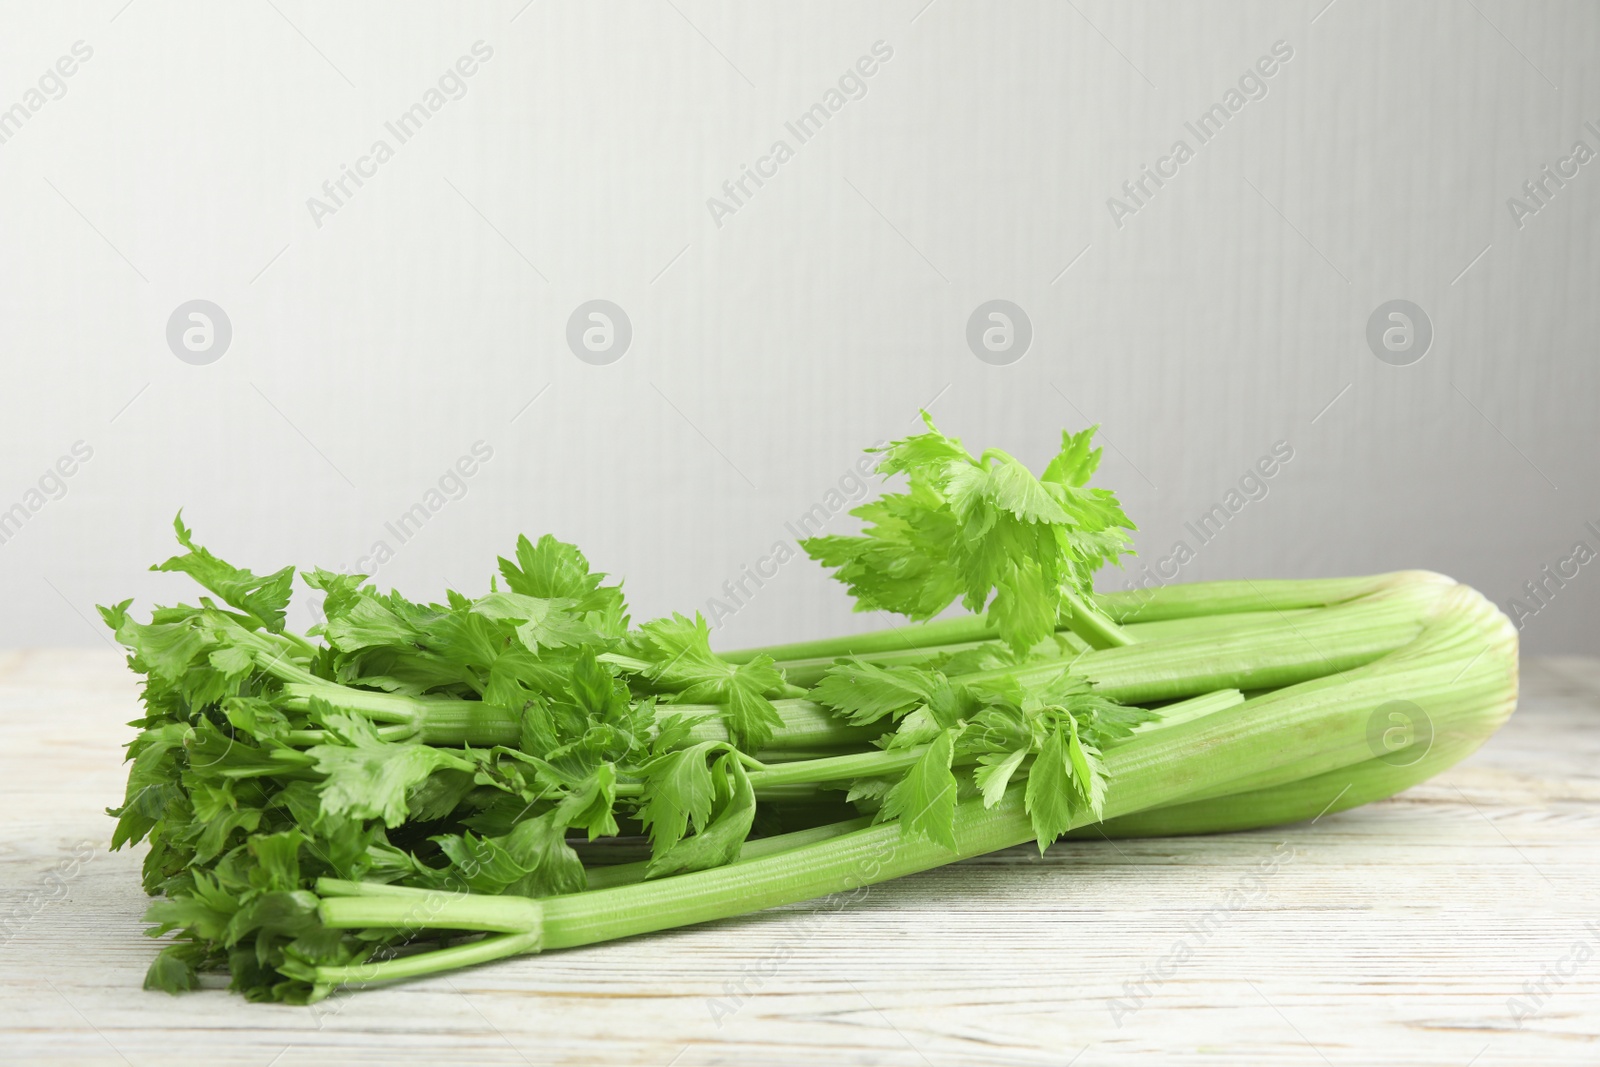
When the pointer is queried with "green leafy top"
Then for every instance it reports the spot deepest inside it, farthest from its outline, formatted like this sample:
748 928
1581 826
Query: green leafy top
555 570
263 598
266 760
468 745
971 527
679 663
977 735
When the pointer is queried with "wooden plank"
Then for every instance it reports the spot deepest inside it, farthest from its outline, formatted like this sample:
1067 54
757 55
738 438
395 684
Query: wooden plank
1400 933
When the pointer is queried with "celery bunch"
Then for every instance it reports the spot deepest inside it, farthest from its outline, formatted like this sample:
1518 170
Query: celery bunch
527 769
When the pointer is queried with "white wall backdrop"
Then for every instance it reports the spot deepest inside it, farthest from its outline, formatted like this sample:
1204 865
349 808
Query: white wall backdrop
559 153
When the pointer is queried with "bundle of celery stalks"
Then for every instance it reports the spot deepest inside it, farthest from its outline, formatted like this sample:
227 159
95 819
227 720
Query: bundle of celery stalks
410 788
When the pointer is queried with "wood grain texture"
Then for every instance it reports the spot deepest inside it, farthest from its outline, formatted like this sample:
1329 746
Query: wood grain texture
1399 933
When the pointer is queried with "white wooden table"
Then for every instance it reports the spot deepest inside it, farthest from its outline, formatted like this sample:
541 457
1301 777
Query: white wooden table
1404 932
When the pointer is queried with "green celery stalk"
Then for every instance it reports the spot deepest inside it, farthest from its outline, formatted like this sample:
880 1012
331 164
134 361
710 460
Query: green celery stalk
1156 604
1461 669
1261 653
807 672
1090 624
1264 653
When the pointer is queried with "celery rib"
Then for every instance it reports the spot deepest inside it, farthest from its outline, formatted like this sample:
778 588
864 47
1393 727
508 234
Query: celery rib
1311 733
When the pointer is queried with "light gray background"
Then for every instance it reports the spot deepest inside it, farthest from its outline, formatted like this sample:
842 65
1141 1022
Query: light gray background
368 354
